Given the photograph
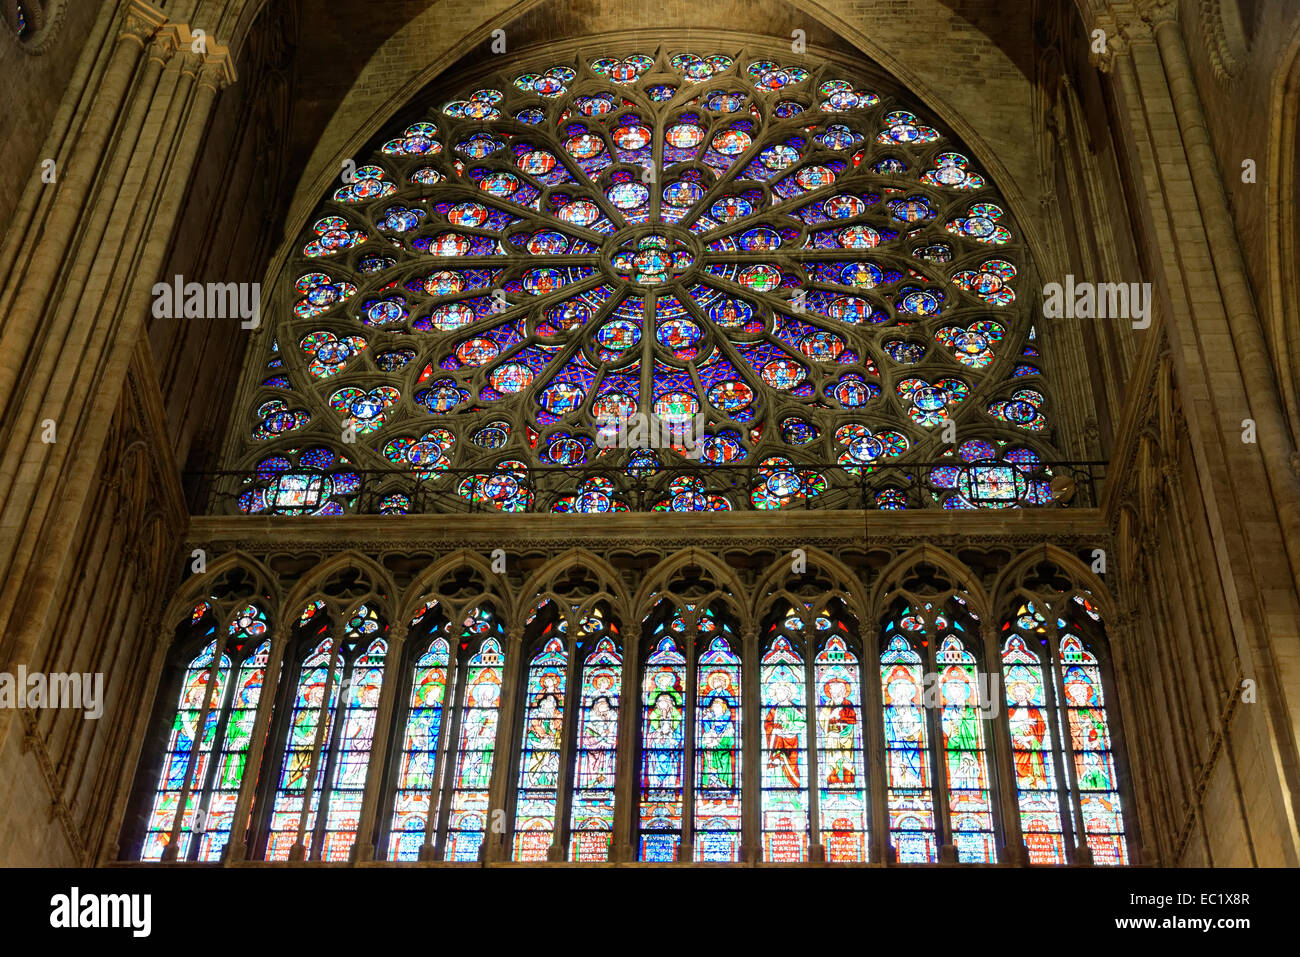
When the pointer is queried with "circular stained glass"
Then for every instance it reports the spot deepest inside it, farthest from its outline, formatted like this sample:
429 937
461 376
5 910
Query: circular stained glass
683 234
619 335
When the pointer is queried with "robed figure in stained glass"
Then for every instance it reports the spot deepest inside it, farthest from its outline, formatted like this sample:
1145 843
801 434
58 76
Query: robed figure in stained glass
961 730
718 733
598 741
663 739
782 724
480 735
838 720
543 744
1028 735
904 728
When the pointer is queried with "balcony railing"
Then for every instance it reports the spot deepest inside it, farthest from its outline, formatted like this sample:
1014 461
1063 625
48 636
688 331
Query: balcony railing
298 490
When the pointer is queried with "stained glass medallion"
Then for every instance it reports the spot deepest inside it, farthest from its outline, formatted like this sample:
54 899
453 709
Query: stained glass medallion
684 233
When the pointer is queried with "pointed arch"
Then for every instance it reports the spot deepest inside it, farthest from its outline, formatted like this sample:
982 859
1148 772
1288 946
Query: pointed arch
892 575
430 580
602 573
1079 573
311 585
202 587
658 580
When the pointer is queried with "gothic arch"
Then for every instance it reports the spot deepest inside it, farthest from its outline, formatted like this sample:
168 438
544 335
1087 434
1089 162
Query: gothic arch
780 580
198 588
374 578
572 563
1079 576
429 583
362 113
661 576
892 575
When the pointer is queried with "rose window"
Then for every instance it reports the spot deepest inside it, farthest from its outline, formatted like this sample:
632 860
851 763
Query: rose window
786 253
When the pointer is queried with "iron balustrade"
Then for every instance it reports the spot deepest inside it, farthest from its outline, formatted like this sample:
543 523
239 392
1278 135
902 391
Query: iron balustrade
983 483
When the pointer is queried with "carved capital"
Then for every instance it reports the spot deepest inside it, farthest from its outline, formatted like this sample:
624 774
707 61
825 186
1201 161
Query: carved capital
1156 13
140 22
162 47
396 635
218 71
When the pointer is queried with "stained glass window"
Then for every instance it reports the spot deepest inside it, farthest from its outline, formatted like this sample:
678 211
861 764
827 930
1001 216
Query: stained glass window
341 756
202 688
417 777
717 832
573 242
1066 780
539 765
470 814
970 808
910 792
310 724
841 770
226 716
663 722
784 757
933 690
1094 762
1035 752
592 825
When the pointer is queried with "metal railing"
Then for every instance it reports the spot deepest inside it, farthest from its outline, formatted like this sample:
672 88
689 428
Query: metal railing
302 491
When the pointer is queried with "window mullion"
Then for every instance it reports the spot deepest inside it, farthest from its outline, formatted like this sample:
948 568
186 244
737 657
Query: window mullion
331 755
938 752
204 787
686 850
257 749
1063 753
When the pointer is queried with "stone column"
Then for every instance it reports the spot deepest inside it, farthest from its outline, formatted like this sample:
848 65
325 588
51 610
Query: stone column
43 475
57 233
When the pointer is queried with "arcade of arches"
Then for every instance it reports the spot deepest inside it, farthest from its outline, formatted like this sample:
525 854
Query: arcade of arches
654 446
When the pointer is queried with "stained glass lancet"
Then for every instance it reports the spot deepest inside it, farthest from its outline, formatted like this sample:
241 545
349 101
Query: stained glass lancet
717 812
539 765
592 819
663 720
470 813
784 759
211 789
417 777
